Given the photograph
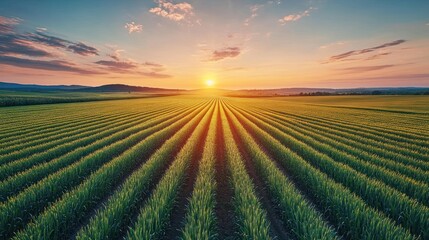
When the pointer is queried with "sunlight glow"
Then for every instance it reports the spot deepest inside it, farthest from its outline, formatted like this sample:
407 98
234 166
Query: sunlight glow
210 83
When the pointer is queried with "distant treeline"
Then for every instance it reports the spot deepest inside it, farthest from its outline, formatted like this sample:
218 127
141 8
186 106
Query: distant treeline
6 101
376 92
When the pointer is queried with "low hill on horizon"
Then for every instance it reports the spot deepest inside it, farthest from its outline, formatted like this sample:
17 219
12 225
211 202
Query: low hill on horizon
237 93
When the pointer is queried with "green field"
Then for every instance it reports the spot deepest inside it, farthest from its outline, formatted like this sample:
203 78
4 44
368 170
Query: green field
18 98
194 167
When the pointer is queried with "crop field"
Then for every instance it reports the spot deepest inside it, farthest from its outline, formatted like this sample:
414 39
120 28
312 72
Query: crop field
194 167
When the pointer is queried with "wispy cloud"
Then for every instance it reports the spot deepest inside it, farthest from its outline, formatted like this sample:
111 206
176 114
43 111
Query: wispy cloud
176 12
254 13
40 50
6 24
152 64
14 45
155 75
229 52
52 65
378 56
348 54
116 55
365 68
117 66
128 66
35 44
41 29
338 43
133 27
295 17
278 2
83 49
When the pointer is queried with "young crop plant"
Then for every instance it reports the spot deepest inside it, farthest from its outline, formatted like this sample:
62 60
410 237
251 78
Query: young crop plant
111 221
251 217
155 213
34 199
300 218
345 208
200 222
59 220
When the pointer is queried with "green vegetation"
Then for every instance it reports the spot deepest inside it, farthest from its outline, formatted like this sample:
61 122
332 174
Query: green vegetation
17 98
344 167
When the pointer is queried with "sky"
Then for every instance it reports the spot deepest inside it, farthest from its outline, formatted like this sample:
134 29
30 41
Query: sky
238 44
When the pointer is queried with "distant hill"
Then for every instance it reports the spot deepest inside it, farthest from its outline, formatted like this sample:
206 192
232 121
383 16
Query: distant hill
117 88
78 88
127 88
29 87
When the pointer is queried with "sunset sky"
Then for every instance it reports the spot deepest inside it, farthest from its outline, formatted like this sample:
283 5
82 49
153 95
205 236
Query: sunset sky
235 43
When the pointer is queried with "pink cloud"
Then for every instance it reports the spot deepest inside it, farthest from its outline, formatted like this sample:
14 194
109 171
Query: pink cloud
6 24
295 17
133 27
229 52
176 12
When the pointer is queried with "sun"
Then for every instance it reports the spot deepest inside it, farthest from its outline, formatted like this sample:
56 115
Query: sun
210 83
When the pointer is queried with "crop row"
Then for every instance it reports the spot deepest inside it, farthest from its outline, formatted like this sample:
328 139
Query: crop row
35 198
402 209
333 138
351 126
15 184
200 219
154 215
394 149
112 220
298 216
49 146
21 134
17 166
412 188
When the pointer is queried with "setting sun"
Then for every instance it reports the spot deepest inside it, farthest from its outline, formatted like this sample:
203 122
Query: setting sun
210 83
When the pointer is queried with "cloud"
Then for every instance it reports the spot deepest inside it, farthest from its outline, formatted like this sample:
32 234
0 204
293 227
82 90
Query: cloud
116 55
40 50
363 51
278 2
49 40
254 13
231 69
378 55
134 68
52 65
116 65
133 27
35 44
155 75
365 68
75 47
339 43
152 64
14 45
83 49
7 24
229 52
295 17
176 12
